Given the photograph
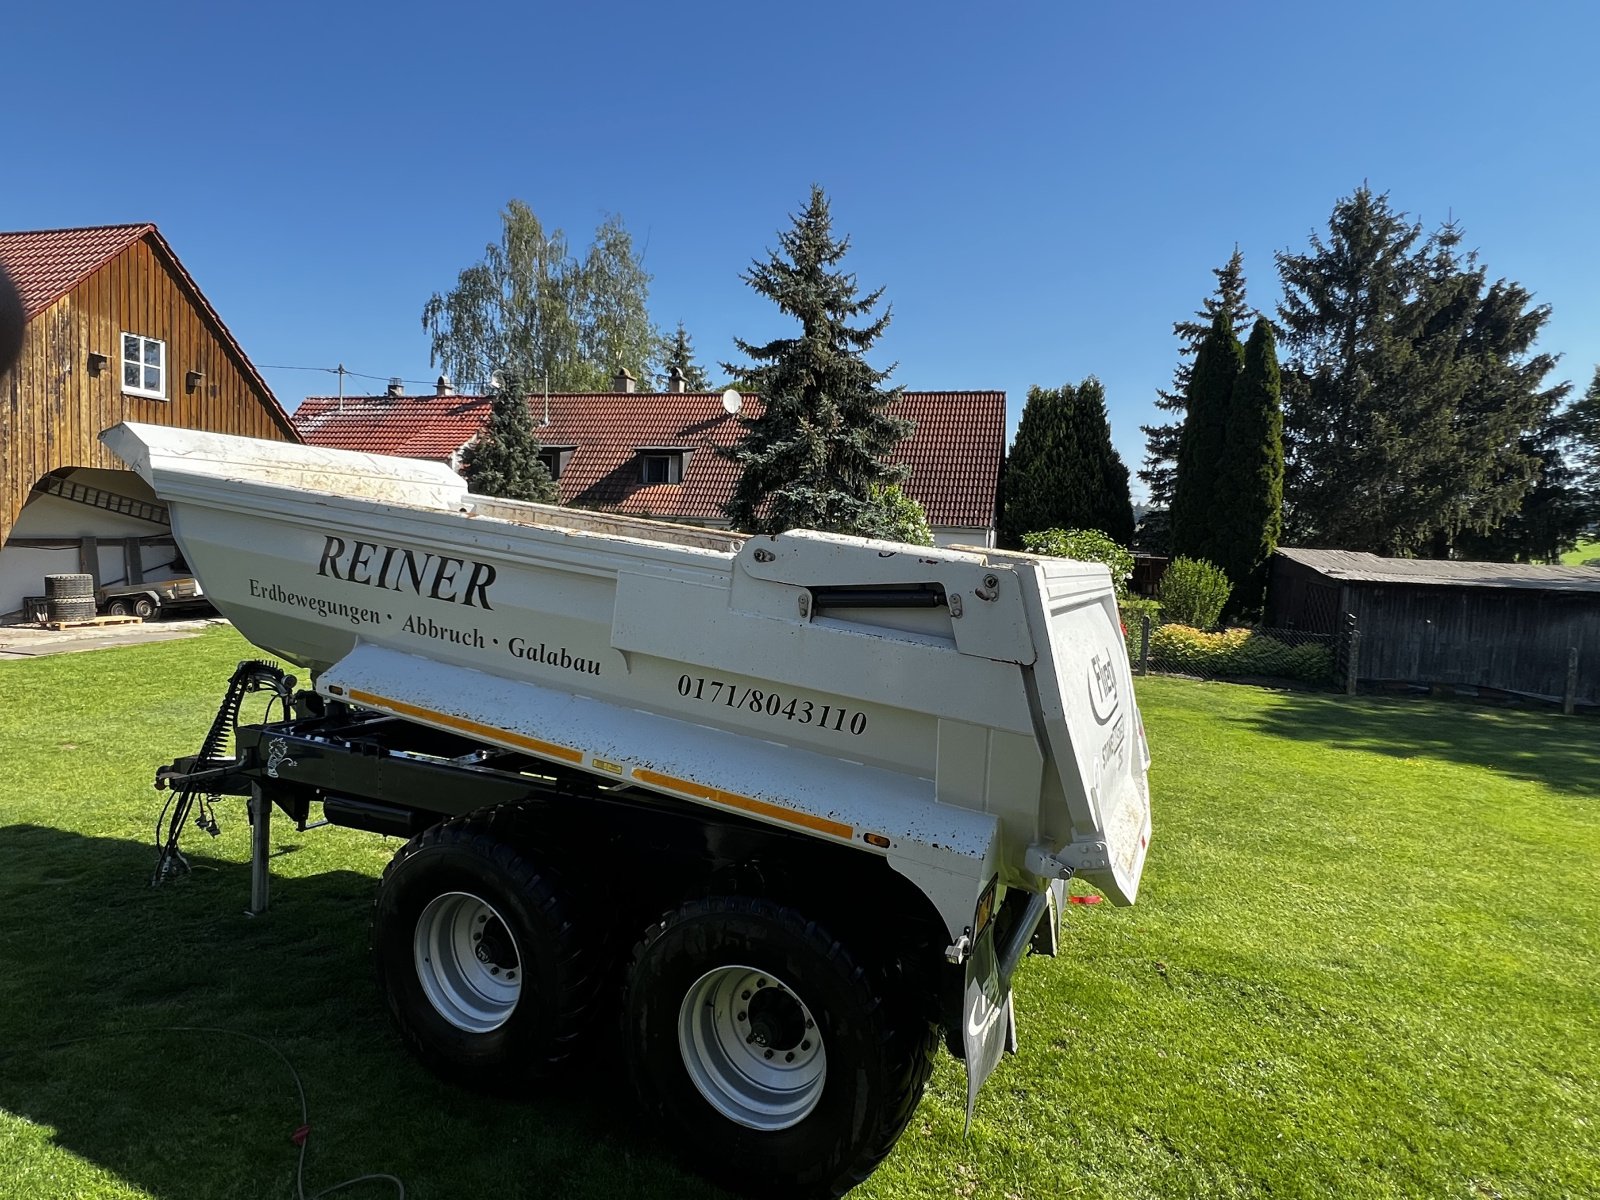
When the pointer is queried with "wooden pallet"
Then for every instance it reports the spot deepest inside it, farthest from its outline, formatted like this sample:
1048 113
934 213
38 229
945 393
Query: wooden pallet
92 621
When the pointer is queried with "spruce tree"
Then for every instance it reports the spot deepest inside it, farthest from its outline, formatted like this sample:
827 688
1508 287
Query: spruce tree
1063 472
503 460
1248 510
680 354
1409 389
813 455
1208 403
1564 502
1161 441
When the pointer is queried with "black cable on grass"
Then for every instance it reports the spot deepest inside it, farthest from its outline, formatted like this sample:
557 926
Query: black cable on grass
301 1136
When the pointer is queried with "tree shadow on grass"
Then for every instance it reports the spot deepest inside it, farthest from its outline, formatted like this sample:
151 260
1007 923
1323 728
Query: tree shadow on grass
89 950
1558 751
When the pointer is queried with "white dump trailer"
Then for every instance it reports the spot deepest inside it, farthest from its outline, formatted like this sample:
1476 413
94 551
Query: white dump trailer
809 798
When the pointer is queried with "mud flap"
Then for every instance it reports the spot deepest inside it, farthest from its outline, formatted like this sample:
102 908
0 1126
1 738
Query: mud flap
988 1026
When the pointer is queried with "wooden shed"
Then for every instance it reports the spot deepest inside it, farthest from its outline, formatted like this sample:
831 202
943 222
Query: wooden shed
1510 627
116 330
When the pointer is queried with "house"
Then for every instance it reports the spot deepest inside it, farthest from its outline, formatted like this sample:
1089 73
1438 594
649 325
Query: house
655 454
1510 627
116 330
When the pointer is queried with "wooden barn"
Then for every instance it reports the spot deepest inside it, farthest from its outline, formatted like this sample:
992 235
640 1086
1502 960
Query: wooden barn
116 331
1511 627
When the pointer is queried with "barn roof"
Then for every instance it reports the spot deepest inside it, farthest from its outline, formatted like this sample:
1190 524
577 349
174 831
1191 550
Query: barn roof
46 264
954 451
1357 566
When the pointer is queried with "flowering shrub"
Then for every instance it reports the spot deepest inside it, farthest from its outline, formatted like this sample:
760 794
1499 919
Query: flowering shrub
1085 545
1189 651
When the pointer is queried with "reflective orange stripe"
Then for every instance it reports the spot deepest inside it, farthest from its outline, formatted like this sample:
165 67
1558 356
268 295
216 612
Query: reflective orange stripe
747 803
487 732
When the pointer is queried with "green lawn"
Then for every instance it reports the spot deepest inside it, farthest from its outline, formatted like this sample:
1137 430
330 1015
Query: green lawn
1366 963
1585 553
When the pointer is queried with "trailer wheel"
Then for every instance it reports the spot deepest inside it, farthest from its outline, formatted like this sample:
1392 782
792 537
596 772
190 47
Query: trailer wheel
778 1064
117 608
144 607
478 955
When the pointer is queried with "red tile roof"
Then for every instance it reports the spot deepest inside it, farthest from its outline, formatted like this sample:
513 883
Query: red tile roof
954 452
46 264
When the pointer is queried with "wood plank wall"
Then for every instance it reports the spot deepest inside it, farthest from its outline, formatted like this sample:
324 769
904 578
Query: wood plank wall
1515 639
52 409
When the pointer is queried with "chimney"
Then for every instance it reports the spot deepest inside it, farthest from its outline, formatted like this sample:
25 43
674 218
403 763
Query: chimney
623 381
443 387
397 386
675 381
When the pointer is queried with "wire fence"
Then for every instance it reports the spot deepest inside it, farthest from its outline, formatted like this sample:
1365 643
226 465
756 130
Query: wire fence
1344 662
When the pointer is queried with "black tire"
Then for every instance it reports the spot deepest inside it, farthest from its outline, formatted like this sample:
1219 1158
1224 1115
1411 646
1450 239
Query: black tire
69 587
479 855
118 608
879 1048
144 607
71 609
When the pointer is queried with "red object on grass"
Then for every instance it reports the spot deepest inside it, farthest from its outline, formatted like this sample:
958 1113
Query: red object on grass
1084 899
299 1136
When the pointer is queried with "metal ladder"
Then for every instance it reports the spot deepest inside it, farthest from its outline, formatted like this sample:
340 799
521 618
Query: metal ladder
81 493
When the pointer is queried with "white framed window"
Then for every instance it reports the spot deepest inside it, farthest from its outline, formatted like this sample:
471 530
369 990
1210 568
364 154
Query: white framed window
662 464
144 366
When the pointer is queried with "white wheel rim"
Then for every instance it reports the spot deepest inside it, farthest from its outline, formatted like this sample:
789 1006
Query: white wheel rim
752 1048
467 962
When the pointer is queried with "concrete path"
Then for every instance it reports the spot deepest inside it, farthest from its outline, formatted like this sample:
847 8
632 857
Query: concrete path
30 641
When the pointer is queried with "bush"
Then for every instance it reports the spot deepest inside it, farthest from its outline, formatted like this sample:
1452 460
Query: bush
1193 592
1190 651
1084 545
896 517
1132 610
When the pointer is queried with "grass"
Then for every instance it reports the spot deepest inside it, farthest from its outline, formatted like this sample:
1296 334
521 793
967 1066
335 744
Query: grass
1585 553
1365 964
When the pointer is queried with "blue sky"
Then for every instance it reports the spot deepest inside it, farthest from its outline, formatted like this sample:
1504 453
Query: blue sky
1041 189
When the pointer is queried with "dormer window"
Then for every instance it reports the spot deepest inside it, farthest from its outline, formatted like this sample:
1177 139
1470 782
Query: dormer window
663 464
555 459
144 366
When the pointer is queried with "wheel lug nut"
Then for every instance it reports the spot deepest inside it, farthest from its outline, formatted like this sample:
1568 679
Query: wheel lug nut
810 1024
741 1016
477 937
760 983
744 995
494 970
768 1054
511 974
789 1057
805 1045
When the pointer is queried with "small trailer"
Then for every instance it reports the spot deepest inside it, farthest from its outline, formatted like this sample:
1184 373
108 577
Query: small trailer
784 808
151 598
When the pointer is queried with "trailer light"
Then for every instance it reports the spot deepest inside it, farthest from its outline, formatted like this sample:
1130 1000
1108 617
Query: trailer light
875 839
985 912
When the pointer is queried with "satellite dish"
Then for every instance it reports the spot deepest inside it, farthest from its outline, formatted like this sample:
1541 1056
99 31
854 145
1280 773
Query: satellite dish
732 401
496 380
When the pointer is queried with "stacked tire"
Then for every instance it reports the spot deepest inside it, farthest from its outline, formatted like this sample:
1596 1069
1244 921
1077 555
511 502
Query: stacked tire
69 597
